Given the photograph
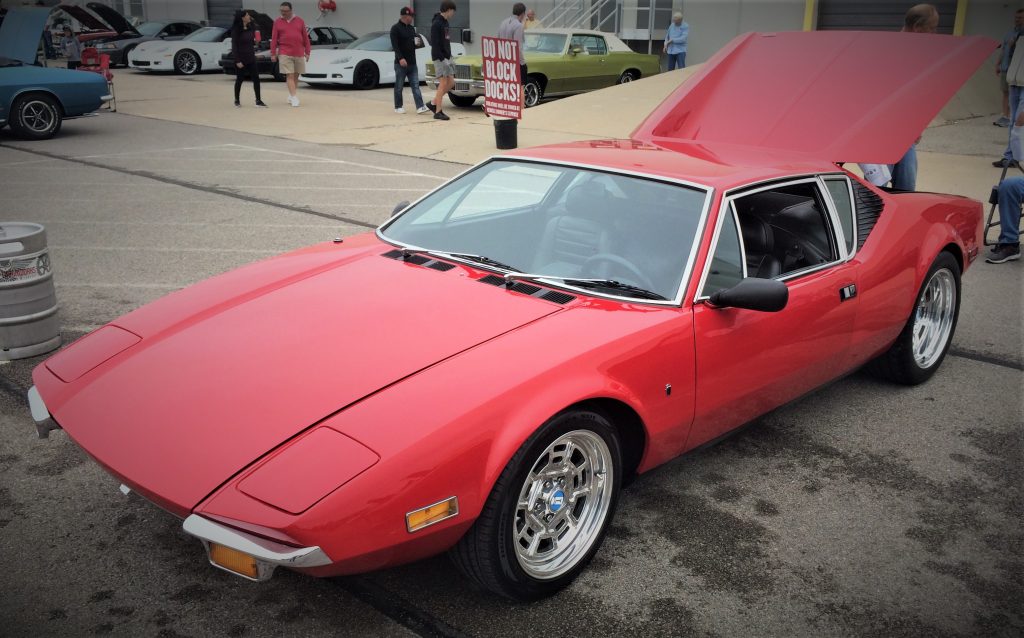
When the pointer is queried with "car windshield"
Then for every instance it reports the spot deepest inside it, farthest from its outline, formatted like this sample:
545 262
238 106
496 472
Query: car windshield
544 42
150 28
377 41
206 34
561 222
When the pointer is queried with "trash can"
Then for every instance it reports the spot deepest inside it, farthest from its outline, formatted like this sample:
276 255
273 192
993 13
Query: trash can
28 301
506 133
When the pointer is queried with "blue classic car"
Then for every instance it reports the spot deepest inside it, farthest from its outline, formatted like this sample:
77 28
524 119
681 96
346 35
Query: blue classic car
35 100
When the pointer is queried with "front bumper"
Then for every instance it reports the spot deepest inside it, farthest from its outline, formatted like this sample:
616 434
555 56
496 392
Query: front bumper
465 88
44 422
268 555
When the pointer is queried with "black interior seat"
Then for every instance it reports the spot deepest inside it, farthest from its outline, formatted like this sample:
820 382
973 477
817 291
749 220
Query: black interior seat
582 232
759 244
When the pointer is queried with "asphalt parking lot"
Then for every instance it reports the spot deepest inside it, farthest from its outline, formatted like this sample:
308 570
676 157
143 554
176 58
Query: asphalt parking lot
863 509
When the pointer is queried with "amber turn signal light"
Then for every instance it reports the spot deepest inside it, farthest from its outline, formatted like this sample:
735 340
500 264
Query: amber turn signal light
427 516
234 561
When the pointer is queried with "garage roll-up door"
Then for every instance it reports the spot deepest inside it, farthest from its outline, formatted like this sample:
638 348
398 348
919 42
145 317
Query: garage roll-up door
220 13
876 16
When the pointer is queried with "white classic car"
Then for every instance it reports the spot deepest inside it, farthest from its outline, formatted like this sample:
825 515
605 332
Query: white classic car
365 63
201 50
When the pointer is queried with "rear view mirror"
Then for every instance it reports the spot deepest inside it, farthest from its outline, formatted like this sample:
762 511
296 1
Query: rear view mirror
399 207
764 295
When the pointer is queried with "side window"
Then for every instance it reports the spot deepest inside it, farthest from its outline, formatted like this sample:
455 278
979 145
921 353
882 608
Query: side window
577 43
785 230
595 45
316 37
839 190
726 268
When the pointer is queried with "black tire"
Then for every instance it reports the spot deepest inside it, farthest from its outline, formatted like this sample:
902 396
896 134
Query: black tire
187 62
900 363
533 91
36 116
462 101
628 76
366 76
487 554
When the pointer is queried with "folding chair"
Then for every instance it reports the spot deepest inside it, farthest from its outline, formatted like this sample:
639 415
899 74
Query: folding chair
993 199
100 63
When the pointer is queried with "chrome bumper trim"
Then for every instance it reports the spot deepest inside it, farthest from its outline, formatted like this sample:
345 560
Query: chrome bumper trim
44 422
106 98
268 554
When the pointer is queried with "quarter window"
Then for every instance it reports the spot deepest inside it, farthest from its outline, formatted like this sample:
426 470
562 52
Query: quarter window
727 264
591 44
839 189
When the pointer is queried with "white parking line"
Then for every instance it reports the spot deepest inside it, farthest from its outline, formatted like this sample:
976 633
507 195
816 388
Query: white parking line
337 161
320 188
118 285
153 249
211 224
289 174
222 147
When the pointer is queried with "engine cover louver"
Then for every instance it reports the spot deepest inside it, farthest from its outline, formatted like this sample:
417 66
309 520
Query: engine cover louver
869 209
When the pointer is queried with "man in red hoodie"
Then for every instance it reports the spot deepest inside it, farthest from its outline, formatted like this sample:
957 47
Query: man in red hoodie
289 47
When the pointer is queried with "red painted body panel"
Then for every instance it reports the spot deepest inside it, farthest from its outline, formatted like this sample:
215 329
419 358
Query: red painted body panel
443 378
844 96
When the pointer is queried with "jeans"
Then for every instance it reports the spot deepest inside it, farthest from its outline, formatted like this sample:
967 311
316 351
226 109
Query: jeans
1016 95
411 72
1011 194
676 60
904 172
248 70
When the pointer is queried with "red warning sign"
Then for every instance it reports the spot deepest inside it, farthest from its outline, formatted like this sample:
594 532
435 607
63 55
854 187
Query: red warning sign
503 86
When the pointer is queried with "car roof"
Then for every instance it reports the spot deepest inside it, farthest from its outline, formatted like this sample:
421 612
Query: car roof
720 166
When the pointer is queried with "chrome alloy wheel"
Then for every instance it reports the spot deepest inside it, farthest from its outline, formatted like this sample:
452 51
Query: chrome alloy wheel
187 62
934 317
531 94
563 504
38 116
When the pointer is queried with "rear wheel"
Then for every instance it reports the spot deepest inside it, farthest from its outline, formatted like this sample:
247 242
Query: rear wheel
547 514
922 345
462 101
628 76
187 62
532 92
366 76
36 116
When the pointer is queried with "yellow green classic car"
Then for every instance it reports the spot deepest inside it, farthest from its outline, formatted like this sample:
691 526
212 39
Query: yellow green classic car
559 62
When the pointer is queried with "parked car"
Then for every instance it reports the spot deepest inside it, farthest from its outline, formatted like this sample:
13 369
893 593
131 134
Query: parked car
365 63
482 372
198 51
319 38
35 100
119 48
560 62
93 27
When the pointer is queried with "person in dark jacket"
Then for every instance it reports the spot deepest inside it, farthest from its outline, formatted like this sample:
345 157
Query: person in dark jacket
441 54
243 49
404 41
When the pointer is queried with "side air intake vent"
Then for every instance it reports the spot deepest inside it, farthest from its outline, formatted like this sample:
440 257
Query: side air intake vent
869 209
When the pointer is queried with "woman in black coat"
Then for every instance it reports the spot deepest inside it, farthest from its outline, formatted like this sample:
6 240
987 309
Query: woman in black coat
243 49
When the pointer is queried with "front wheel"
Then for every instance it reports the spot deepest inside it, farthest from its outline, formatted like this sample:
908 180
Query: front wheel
187 62
532 92
922 345
549 510
36 116
366 76
462 101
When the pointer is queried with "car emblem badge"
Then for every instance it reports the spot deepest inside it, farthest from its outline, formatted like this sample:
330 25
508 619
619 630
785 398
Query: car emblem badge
557 500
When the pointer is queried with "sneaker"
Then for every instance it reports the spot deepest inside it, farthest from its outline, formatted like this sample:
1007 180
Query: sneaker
293 100
400 110
441 116
1003 253
238 104
261 105
1003 122
422 110
1002 163
431 107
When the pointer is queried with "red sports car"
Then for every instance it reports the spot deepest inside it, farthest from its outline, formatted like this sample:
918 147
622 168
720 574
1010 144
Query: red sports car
482 373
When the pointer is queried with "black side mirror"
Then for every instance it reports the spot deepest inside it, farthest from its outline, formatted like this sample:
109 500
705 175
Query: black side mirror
467 36
399 207
764 295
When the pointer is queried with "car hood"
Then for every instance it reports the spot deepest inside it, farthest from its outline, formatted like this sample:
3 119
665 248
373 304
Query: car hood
83 16
841 96
20 33
189 390
113 18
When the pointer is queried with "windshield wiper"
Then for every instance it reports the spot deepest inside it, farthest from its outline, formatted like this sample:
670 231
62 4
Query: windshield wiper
609 284
480 259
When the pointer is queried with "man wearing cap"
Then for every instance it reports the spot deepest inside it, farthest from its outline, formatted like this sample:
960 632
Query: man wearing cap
404 42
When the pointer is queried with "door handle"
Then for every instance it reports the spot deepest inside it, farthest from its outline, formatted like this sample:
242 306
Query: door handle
847 292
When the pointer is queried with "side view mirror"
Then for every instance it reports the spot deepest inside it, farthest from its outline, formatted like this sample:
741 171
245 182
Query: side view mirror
576 50
399 207
764 295
467 36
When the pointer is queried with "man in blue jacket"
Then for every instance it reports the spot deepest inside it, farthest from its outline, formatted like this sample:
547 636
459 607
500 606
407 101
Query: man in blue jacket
675 42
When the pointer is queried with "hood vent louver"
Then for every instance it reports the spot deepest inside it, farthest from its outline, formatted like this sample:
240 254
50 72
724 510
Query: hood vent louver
553 296
419 260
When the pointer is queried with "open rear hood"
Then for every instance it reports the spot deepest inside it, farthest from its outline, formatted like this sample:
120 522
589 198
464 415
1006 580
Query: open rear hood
114 18
21 31
840 96
87 19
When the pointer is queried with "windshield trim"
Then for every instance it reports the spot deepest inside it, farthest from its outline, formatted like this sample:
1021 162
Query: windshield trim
684 283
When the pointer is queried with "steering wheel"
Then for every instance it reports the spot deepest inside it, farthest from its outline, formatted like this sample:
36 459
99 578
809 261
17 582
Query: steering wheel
607 258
